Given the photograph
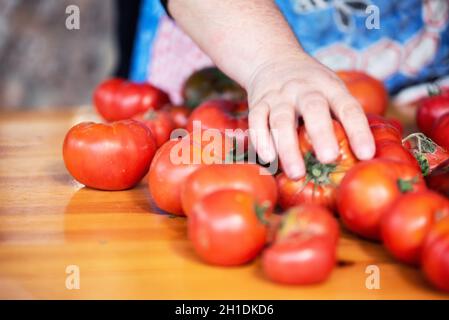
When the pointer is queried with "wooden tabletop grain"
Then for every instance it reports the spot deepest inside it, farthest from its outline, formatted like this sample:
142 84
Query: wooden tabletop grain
54 232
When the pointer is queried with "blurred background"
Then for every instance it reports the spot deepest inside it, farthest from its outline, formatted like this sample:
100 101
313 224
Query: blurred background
43 64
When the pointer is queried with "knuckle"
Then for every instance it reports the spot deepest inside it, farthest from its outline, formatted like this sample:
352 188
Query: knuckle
280 117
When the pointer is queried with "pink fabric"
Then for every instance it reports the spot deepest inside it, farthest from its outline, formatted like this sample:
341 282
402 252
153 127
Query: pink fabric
175 57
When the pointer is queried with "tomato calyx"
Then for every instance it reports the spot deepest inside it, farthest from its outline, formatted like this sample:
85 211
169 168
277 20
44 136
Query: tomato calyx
149 115
316 171
261 212
406 185
433 90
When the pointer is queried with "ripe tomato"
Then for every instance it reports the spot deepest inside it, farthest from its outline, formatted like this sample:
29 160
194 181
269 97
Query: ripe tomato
175 161
375 119
248 177
440 131
435 256
227 227
118 99
304 247
408 221
179 115
428 154
430 109
438 179
222 115
370 188
392 150
385 132
160 124
321 180
112 156
369 91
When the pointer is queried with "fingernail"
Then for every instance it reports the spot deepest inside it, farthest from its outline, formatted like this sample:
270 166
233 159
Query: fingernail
328 155
365 152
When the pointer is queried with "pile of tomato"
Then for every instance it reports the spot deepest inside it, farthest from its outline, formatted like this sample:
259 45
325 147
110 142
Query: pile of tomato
238 210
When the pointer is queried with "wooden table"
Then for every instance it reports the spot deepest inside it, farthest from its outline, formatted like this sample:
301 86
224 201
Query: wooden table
124 247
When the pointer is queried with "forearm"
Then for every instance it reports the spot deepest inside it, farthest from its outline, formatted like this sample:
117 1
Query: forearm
238 35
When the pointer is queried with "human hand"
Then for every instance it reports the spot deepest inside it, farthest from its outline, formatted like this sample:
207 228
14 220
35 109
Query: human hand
281 90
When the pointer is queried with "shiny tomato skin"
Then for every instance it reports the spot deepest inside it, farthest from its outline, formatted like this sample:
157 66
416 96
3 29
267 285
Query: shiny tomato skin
118 99
369 189
369 92
310 219
435 255
248 177
224 228
179 115
160 124
385 132
112 156
221 115
299 261
392 150
430 109
405 226
317 186
375 119
166 177
440 131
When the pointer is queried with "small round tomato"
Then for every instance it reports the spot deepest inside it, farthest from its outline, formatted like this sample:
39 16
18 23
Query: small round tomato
224 115
370 188
430 109
179 115
227 227
160 124
321 180
248 177
392 150
369 91
405 225
118 99
440 131
304 247
385 132
435 255
112 156
175 161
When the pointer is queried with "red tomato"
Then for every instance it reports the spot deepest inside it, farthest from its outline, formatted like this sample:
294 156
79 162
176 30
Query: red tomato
175 161
408 221
321 180
226 228
440 131
438 180
112 156
160 124
392 150
118 99
370 188
221 115
385 132
179 115
430 109
301 261
248 177
369 91
435 256
375 119
304 247
428 154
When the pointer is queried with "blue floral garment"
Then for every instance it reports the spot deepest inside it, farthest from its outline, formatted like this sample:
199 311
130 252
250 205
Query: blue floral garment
403 42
